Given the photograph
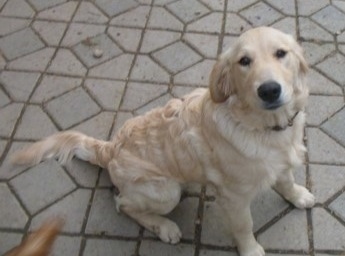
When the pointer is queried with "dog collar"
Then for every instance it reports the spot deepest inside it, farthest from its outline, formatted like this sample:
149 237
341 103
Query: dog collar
279 128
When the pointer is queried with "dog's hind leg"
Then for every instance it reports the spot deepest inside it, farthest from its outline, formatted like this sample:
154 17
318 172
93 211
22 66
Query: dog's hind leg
146 202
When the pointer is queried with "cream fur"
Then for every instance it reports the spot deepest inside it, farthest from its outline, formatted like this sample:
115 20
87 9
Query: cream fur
221 136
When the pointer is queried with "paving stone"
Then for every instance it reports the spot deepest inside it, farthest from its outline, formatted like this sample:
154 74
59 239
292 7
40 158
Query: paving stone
35 124
2 62
109 247
115 7
42 185
338 205
17 8
185 216
63 12
4 100
235 24
161 101
43 4
36 61
52 86
161 18
180 91
154 40
8 118
134 18
107 93
265 207
341 37
214 229
334 126
66 63
236 5
196 75
228 41
340 4
98 126
187 10
104 219
138 94
51 32
71 108
330 18
154 248
177 57
88 12
319 84
328 232
85 50
84 173
204 252
217 5
117 68
9 25
12 215
211 23
65 245
316 52
289 233
6 170
19 85
127 38
206 44
321 107
9 241
342 48
146 69
332 67
308 7
20 43
72 209
121 118
79 32
323 149
3 144
309 30
287 25
322 176
261 14
104 180
286 7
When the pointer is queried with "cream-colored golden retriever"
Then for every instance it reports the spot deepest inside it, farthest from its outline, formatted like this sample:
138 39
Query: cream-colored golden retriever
242 134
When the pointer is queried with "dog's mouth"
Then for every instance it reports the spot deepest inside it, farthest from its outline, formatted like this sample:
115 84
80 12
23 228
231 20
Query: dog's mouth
273 105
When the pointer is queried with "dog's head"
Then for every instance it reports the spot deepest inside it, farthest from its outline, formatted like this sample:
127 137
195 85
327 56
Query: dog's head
265 69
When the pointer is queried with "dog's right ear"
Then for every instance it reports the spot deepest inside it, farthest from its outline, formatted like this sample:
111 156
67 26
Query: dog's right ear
220 84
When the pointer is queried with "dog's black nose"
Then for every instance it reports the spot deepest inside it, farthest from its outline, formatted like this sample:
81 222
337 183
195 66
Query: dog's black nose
269 92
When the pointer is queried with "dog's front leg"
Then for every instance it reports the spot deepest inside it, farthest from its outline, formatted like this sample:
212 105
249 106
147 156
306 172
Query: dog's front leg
238 215
294 193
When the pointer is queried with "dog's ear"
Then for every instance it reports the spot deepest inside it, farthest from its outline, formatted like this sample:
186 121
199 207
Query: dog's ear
298 51
220 84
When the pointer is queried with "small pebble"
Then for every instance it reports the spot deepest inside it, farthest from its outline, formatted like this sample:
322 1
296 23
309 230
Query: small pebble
97 53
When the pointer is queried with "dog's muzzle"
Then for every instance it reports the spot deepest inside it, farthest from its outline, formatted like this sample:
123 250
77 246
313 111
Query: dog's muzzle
269 93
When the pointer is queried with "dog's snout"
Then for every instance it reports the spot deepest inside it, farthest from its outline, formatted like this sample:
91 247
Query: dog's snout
269 92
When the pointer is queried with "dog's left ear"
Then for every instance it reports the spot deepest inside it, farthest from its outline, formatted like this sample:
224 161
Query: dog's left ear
220 84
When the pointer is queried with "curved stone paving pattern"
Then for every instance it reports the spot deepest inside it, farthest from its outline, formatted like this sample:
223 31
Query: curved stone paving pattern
154 50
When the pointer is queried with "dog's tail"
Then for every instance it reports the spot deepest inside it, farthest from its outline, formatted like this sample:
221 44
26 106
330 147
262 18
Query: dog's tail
40 242
64 146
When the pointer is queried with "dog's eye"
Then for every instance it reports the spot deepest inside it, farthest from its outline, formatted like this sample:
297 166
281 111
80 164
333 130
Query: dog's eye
245 61
280 53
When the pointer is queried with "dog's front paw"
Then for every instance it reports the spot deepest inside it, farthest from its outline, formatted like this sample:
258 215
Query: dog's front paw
302 198
169 232
253 250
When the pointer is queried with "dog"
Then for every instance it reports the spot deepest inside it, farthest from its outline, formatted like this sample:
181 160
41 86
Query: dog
40 242
242 134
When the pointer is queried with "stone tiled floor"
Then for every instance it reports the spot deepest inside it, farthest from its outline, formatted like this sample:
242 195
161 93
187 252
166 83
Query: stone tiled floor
154 50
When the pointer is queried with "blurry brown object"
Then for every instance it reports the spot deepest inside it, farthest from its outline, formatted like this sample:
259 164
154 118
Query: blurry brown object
39 243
